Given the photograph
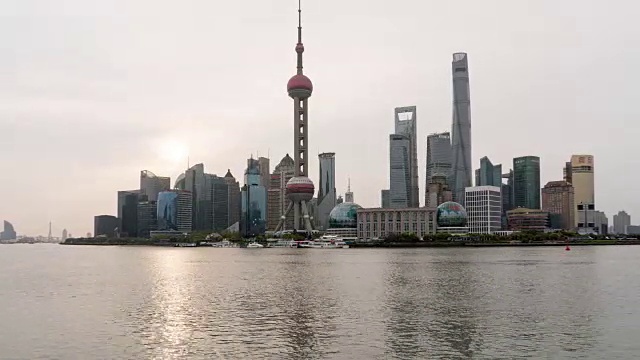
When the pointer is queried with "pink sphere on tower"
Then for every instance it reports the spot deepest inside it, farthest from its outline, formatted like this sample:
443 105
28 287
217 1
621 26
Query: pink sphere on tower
300 86
300 188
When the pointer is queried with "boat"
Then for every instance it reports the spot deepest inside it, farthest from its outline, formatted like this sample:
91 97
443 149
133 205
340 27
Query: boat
185 245
305 244
324 242
220 244
282 243
254 245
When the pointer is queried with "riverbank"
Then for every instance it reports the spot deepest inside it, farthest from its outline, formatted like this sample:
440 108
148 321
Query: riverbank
419 244
120 242
422 244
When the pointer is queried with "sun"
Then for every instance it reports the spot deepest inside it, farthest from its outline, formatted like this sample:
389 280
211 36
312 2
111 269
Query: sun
173 151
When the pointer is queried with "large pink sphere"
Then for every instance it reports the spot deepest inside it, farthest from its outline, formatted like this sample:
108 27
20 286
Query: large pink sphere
299 86
300 188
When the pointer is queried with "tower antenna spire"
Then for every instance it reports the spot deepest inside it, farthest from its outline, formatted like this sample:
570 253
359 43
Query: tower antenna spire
299 46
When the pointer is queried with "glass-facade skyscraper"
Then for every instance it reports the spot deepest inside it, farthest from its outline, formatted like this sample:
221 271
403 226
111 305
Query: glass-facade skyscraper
106 225
326 190
399 172
438 159
488 174
526 182
254 201
406 125
461 128
174 211
128 212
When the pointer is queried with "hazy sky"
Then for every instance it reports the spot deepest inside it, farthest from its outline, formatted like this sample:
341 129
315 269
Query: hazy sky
92 92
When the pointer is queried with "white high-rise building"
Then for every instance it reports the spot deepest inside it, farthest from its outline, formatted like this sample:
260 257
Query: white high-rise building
620 222
484 209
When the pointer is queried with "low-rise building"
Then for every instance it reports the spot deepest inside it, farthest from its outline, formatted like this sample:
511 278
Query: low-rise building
632 229
596 221
378 223
523 219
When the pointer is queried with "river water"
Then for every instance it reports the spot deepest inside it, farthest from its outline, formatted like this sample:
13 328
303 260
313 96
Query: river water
84 302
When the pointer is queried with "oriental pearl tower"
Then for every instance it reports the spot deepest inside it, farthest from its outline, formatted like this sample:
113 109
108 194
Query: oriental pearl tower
300 188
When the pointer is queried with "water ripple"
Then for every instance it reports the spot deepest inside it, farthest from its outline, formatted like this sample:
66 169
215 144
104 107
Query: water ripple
154 303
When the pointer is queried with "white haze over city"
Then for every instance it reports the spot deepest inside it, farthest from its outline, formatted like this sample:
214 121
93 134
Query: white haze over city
95 91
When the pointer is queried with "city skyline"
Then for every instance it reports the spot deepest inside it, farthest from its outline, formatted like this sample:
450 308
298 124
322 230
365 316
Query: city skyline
105 110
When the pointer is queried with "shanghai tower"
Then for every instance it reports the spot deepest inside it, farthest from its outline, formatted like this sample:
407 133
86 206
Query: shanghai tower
461 171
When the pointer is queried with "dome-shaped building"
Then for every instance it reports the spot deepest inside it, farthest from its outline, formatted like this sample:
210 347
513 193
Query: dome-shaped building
343 221
344 216
452 218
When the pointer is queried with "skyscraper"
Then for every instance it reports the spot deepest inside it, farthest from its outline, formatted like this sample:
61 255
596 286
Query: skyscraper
175 211
254 201
216 200
300 188
438 158
507 192
557 200
526 182
147 218
406 125
620 222
400 171
234 209
488 174
277 201
265 171
461 128
581 169
128 212
438 191
219 193
326 190
196 185
151 184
